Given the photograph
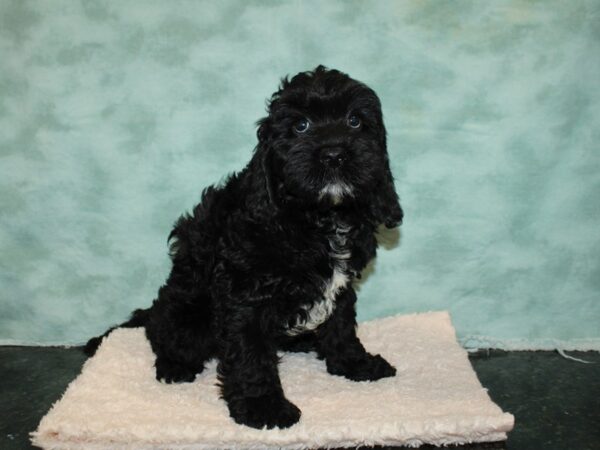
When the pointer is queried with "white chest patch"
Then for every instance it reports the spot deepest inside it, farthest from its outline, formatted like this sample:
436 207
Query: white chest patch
320 311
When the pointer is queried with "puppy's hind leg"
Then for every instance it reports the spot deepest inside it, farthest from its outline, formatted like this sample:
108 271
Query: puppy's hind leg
179 332
171 371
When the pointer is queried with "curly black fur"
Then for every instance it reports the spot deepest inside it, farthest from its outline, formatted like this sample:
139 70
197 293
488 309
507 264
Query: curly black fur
265 262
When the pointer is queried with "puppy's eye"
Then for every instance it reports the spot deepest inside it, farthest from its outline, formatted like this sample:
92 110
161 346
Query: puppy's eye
354 121
302 126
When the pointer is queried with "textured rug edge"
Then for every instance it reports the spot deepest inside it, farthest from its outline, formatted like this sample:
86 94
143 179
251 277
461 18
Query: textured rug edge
50 440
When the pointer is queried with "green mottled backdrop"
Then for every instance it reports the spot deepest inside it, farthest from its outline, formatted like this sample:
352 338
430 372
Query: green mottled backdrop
115 114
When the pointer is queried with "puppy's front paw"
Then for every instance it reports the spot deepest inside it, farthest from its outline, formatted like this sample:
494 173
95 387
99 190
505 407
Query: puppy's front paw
366 368
272 410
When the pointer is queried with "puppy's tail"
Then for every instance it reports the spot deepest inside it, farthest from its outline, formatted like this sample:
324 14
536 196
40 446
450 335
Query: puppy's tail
139 318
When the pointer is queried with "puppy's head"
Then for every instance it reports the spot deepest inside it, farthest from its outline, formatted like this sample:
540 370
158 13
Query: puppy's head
324 143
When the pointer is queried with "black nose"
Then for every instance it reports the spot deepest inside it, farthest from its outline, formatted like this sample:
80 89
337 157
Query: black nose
333 156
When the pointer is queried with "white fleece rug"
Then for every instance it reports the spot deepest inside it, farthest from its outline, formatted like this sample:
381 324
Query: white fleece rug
435 398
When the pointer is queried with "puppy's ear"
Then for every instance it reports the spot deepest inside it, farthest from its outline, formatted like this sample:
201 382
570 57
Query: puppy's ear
385 205
263 155
263 133
268 174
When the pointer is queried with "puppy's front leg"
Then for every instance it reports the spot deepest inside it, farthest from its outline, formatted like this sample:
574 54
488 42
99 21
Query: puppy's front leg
250 381
344 354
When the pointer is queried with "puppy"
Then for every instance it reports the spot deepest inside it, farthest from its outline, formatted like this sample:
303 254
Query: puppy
266 261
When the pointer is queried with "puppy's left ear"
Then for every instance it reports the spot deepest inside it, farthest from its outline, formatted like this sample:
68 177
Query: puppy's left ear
385 205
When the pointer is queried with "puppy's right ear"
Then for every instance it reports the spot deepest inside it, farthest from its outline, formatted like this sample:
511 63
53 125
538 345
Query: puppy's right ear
263 133
264 155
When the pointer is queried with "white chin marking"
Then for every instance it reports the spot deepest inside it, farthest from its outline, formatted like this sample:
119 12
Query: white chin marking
336 191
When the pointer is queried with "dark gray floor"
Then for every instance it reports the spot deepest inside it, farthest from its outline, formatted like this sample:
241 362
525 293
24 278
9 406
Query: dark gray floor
556 401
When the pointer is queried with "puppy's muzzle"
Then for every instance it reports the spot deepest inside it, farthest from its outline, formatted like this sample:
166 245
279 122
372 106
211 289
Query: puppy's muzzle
333 156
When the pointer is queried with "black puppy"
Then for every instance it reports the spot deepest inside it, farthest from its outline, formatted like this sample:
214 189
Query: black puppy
266 260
